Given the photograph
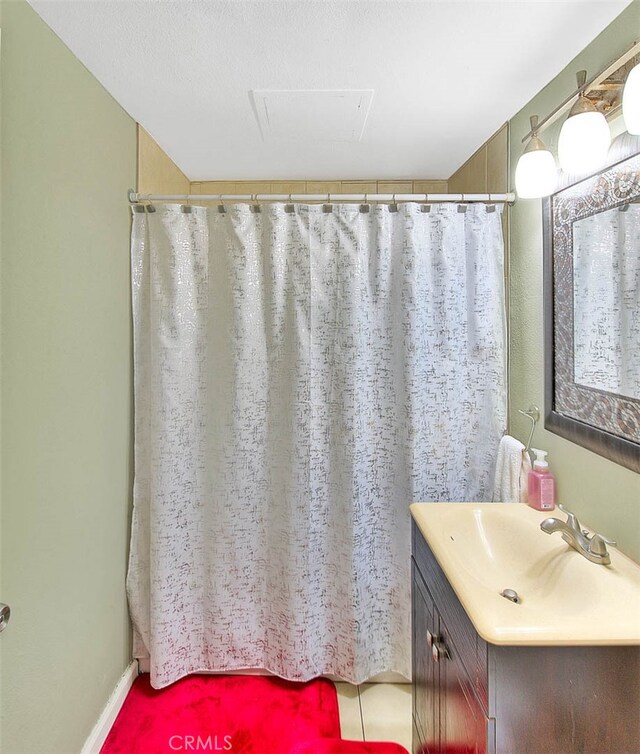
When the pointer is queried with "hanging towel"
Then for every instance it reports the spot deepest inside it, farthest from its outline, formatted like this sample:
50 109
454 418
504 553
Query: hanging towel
512 467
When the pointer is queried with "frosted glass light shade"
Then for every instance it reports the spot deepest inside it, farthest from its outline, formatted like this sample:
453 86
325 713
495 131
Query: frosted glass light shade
631 101
583 143
535 174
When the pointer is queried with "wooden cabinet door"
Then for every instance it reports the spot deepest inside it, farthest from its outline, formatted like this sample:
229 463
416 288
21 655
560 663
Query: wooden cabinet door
425 670
464 729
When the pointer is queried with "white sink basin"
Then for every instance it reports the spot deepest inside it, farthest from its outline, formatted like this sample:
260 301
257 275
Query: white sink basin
484 548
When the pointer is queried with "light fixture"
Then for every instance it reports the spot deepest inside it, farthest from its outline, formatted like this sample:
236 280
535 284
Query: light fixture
631 101
536 168
585 137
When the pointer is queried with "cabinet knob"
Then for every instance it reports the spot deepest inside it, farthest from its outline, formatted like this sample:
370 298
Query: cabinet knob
439 650
432 638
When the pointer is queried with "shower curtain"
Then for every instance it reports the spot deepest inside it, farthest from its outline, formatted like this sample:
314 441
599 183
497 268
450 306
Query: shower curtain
606 307
300 378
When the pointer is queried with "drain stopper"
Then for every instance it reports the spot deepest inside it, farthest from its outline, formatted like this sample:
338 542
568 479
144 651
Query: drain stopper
511 595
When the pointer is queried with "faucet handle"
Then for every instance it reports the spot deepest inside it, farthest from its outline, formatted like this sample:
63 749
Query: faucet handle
598 544
572 520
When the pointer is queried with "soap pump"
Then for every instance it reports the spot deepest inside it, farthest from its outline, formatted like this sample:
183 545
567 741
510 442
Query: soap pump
541 484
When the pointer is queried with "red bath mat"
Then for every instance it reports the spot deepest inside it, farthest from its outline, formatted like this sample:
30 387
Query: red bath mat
236 714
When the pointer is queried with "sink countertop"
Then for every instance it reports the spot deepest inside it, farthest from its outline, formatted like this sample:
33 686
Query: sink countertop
484 548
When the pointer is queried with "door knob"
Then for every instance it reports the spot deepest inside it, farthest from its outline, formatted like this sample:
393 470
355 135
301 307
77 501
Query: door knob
5 614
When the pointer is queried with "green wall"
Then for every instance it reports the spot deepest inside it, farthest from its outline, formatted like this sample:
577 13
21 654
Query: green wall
68 157
605 494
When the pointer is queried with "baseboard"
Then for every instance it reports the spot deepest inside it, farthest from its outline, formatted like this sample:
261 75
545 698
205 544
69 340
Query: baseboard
101 729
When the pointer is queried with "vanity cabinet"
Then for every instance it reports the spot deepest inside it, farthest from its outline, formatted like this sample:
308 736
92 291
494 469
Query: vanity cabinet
473 697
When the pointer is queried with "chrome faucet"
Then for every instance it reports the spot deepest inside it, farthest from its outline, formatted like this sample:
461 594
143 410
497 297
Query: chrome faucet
592 546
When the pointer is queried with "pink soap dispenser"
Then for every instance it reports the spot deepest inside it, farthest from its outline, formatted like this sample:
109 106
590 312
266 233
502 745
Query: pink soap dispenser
541 484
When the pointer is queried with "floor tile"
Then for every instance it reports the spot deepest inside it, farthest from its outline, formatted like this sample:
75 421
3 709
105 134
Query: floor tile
386 712
389 677
350 716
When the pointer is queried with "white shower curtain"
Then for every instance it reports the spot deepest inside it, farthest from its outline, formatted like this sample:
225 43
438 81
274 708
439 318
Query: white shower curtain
300 378
606 307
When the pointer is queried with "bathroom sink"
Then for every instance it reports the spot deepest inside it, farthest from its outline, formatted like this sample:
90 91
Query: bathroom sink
485 548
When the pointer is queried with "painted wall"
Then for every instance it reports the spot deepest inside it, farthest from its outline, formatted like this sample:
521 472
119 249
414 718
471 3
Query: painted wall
68 158
157 172
487 169
605 495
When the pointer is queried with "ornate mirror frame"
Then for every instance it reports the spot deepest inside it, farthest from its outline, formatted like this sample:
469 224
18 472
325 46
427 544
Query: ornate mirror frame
606 423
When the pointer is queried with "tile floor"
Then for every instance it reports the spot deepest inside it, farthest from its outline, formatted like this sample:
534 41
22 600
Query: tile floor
376 712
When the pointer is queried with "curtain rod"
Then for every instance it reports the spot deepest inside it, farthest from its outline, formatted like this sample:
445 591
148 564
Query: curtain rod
135 198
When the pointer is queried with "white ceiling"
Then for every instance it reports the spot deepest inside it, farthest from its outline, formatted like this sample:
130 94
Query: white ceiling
445 75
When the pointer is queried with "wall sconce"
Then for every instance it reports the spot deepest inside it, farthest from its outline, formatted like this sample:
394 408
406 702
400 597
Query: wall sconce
536 168
585 137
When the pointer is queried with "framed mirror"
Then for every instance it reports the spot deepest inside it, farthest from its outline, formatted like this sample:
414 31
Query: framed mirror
592 312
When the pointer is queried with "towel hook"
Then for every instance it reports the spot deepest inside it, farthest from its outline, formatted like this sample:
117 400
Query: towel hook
533 414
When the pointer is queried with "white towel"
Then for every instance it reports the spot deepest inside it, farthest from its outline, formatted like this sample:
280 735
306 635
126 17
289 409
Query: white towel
512 467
